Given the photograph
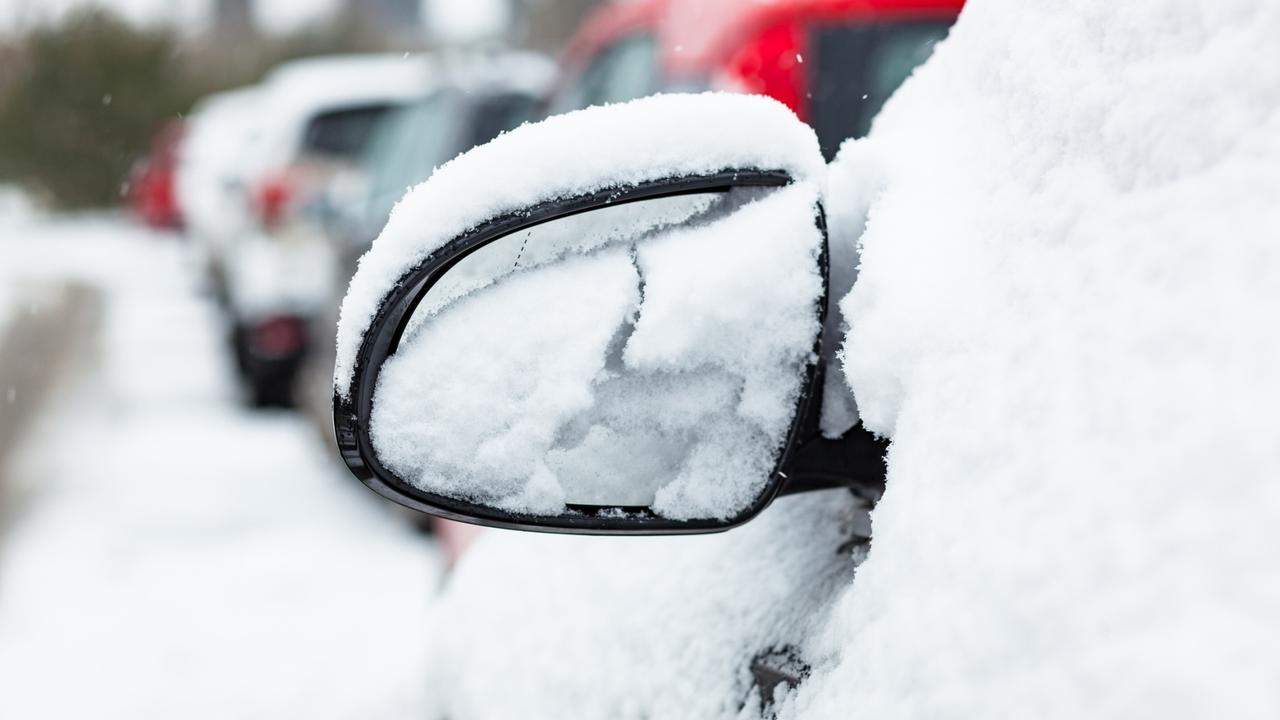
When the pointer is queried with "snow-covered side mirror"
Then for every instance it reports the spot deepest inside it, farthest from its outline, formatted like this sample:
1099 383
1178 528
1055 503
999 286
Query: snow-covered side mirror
608 322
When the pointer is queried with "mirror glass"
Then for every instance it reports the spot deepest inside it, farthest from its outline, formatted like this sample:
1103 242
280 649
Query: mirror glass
644 355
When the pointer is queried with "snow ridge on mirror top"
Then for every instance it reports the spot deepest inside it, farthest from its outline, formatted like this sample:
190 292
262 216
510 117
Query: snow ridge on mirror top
579 152
663 372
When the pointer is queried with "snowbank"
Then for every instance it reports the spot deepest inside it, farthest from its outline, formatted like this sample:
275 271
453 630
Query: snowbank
175 555
16 205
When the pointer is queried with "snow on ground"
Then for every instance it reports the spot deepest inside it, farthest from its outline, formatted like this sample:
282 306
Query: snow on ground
176 556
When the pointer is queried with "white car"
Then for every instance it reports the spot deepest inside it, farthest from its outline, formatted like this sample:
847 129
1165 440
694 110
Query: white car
259 162
208 179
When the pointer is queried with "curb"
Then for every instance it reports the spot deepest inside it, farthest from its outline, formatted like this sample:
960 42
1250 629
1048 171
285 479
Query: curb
36 346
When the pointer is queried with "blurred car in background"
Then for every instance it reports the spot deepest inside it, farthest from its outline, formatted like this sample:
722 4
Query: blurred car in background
471 101
833 62
269 255
207 179
151 188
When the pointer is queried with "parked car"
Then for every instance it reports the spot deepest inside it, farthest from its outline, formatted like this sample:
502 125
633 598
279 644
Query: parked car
206 179
470 102
151 187
833 62
309 120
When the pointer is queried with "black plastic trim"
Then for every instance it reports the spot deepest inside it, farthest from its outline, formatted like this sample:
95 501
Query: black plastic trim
351 416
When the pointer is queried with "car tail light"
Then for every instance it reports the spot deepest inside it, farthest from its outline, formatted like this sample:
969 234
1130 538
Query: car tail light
277 336
272 199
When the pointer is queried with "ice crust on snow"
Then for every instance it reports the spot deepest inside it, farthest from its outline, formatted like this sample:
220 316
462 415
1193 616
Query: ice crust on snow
660 368
1065 318
579 152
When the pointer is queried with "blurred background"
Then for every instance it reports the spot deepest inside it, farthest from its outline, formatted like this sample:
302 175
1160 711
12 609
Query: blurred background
185 189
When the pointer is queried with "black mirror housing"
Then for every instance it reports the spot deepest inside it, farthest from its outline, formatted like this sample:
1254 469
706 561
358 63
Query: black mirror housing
807 461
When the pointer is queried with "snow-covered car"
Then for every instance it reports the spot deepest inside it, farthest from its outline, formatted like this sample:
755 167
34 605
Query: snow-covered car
309 120
207 179
469 102
1051 269
150 188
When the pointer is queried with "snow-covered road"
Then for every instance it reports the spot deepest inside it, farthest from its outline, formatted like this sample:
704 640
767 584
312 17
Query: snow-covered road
174 555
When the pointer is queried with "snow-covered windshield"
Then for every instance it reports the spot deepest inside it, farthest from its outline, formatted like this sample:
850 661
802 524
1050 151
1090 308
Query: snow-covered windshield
649 355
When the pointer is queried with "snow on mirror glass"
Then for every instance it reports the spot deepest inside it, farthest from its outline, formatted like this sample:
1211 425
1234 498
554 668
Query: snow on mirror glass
643 355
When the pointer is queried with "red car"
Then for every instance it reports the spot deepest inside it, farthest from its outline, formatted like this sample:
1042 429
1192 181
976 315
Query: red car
834 62
150 189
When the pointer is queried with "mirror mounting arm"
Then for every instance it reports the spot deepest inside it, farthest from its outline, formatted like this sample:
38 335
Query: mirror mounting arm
855 459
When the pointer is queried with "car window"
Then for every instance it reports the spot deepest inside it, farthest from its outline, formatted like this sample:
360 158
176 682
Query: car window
342 133
626 70
407 147
855 70
500 113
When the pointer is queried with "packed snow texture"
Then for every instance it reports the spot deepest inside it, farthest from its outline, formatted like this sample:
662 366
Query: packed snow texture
1066 319
661 368
579 152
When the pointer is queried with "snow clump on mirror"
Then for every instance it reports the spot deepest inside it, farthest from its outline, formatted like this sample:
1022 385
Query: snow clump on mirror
654 138
659 368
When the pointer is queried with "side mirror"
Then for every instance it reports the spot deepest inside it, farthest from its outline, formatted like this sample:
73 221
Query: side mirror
609 322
